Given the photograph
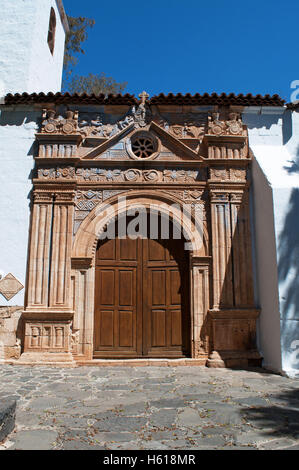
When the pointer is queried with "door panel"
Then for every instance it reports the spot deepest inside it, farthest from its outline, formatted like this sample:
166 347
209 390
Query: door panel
141 299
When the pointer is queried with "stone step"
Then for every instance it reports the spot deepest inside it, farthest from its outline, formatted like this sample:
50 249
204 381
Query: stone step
7 417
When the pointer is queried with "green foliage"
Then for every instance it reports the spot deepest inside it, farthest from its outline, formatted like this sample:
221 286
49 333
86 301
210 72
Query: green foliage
74 39
92 83
96 84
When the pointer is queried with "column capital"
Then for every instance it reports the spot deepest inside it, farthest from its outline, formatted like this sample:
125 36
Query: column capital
44 197
64 197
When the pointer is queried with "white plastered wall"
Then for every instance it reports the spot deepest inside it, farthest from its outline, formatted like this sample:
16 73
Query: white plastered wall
17 135
26 62
274 140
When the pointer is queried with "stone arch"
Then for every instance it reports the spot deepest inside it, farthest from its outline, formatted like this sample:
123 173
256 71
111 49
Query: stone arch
86 239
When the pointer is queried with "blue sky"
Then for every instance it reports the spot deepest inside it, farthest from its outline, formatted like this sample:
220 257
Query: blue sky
193 46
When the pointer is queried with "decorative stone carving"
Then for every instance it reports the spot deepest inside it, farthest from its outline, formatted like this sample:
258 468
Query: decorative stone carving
134 175
238 174
143 145
10 286
188 126
65 172
216 126
228 174
219 174
232 126
142 114
52 124
179 176
56 173
95 126
47 336
193 196
86 201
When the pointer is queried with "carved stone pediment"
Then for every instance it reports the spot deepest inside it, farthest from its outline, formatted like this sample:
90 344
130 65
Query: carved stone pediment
110 134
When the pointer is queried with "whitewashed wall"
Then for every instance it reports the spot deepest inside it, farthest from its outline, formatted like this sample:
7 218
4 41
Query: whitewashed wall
26 62
17 135
274 140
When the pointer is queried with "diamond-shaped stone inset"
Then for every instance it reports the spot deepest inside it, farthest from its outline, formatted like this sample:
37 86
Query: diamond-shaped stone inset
10 286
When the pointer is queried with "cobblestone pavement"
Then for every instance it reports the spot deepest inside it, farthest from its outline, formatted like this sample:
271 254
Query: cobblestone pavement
152 408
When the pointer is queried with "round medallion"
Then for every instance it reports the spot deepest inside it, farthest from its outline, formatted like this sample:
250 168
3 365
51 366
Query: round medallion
235 128
68 128
151 175
132 175
50 127
217 128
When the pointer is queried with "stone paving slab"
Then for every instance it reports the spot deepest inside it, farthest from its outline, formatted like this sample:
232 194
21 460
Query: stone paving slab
7 417
156 408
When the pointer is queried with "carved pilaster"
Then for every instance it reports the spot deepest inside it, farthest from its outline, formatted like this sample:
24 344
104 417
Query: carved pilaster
83 303
221 243
241 244
200 297
61 250
38 276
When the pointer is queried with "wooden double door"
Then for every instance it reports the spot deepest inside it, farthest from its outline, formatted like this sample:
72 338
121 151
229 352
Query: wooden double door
141 299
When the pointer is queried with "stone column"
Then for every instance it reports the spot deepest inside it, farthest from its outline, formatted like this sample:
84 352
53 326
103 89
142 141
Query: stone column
39 258
60 286
221 249
200 302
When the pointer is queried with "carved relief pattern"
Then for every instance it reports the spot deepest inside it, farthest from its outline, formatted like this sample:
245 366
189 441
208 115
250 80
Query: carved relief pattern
135 175
86 201
53 124
57 150
10 286
77 190
228 174
56 173
232 126
48 336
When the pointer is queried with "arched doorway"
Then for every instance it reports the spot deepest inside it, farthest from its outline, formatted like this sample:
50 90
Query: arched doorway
142 295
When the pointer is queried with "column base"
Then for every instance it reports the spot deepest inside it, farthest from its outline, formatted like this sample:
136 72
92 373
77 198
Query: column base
47 358
235 359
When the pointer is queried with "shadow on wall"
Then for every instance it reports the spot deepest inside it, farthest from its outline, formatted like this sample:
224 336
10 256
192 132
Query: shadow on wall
259 121
288 267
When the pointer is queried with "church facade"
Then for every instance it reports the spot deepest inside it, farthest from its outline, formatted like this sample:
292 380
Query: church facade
147 228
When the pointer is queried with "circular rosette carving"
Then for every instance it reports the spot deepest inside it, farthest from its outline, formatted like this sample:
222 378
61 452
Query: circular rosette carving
50 127
132 175
217 127
235 128
151 176
143 146
68 128
65 173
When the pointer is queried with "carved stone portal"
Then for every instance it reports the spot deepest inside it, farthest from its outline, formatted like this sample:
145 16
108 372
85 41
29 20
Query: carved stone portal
93 166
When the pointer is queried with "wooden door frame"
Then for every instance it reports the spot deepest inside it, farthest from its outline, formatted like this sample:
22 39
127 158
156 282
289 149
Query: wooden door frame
83 277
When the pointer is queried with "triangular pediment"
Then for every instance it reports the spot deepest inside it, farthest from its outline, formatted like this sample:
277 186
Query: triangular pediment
169 145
